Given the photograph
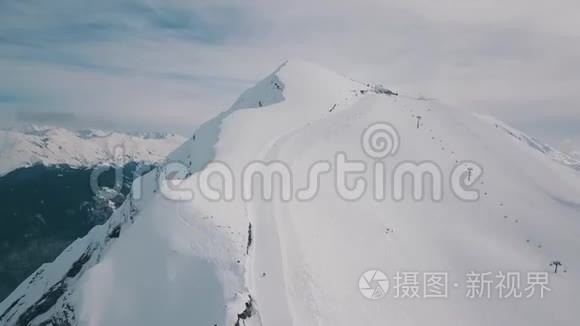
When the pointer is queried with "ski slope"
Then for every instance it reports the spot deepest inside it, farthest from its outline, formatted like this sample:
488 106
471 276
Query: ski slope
281 262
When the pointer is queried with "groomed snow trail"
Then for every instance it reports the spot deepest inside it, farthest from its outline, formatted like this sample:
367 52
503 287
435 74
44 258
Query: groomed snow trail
269 260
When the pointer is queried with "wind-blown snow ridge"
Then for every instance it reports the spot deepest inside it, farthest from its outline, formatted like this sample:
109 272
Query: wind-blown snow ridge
56 146
261 263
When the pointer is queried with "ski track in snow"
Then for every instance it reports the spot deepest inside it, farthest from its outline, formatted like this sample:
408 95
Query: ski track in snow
270 236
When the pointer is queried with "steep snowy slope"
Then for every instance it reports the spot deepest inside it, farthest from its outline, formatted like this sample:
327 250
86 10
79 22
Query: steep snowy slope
56 146
167 259
44 209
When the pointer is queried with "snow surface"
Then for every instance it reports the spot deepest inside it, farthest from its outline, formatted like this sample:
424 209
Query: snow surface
30 145
188 263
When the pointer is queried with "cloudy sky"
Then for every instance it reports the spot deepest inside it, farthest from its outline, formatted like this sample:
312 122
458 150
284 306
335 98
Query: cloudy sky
168 65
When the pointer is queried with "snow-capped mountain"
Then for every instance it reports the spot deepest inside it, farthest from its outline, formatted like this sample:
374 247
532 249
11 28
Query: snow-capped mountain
165 260
30 145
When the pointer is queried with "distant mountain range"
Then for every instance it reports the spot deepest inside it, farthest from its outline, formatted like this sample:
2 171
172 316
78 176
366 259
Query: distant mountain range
31 145
575 154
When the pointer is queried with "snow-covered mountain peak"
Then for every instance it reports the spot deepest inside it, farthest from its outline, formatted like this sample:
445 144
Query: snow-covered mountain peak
296 80
202 260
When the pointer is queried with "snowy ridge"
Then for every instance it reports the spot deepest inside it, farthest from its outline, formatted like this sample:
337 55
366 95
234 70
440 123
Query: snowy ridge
271 262
32 145
570 159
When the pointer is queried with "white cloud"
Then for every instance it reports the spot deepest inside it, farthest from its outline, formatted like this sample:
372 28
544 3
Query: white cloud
182 61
